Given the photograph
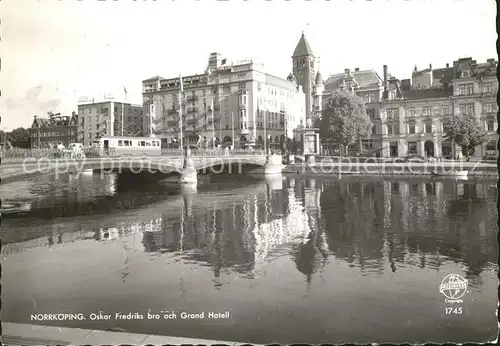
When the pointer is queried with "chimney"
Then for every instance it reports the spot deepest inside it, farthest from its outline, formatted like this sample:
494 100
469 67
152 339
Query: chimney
34 116
356 69
490 61
447 65
415 68
430 67
347 70
385 74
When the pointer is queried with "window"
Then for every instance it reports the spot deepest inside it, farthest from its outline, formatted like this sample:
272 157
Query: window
490 125
427 112
120 143
374 130
410 112
466 89
412 148
142 143
411 127
371 113
154 143
148 144
446 110
487 88
389 129
241 87
466 108
488 108
369 97
259 88
392 113
428 127
225 89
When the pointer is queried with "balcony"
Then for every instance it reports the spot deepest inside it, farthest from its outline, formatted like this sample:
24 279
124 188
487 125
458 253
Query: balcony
192 98
244 132
192 110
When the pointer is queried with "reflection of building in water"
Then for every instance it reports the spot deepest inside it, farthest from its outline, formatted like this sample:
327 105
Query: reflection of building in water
370 225
241 234
312 252
421 223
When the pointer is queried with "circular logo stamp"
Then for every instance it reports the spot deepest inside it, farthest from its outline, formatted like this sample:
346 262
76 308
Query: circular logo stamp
453 287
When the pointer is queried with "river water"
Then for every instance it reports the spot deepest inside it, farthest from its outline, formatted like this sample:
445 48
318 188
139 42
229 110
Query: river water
298 259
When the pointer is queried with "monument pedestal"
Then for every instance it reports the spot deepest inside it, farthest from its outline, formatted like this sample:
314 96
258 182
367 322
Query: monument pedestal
311 143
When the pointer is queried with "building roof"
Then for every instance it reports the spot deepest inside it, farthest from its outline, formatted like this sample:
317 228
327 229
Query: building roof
40 122
416 94
57 120
319 79
444 75
363 79
153 79
462 65
303 48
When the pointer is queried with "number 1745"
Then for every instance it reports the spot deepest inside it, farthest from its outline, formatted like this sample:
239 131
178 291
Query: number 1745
453 311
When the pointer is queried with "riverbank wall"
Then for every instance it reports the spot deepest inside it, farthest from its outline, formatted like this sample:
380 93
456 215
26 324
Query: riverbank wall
474 169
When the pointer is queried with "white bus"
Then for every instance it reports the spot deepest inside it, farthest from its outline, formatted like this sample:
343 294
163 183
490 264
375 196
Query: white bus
129 146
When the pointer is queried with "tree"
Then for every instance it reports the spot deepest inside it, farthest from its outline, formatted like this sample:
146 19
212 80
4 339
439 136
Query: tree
465 130
344 120
20 137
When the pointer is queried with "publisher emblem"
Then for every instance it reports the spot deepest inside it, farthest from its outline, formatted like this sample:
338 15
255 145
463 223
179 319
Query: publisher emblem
453 287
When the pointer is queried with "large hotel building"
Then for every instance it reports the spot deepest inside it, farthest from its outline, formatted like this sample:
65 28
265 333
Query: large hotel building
230 104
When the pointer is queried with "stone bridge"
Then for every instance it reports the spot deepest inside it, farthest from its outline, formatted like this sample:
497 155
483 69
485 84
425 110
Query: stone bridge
187 166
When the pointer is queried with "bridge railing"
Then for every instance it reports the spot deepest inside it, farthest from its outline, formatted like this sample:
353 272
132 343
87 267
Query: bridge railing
38 153
211 152
50 153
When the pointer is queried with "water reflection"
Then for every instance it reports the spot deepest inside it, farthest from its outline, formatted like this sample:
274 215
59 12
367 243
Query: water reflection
374 225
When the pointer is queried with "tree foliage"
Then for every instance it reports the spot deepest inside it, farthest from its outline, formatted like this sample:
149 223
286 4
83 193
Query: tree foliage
344 119
465 130
19 138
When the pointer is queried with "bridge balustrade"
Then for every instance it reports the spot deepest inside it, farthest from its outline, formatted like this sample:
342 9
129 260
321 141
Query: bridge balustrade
38 153
50 153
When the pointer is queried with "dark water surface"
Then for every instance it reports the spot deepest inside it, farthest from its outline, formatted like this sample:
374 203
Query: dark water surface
297 259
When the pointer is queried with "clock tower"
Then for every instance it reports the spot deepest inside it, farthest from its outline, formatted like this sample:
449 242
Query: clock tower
304 70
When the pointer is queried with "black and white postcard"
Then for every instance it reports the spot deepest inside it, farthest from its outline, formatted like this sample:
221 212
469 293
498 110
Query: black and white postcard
248 172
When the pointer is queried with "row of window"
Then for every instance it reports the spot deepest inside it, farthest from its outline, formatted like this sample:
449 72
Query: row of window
468 89
260 125
464 108
53 134
128 143
393 128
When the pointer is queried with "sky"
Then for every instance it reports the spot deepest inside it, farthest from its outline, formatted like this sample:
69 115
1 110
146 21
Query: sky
54 52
